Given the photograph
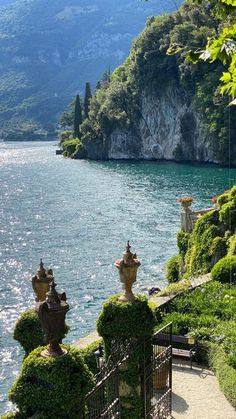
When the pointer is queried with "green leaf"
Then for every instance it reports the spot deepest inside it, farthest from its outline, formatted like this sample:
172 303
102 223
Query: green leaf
226 77
229 2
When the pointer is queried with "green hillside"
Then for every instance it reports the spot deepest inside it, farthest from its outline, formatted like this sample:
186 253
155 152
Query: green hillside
48 50
148 69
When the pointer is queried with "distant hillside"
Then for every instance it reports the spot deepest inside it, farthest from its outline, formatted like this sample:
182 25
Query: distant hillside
49 49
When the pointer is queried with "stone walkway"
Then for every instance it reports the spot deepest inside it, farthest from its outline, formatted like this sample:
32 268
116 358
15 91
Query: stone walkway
196 394
195 282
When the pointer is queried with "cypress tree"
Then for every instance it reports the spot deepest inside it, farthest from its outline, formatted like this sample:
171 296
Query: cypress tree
77 117
87 98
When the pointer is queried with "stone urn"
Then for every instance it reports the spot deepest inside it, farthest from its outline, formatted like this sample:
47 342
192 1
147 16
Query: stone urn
52 314
186 203
128 267
41 282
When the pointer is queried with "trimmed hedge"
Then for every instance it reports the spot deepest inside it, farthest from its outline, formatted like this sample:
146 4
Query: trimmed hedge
173 269
122 321
126 319
89 357
28 331
52 384
225 373
225 270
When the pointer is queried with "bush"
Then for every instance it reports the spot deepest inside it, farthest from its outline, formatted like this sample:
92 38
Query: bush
228 215
28 331
175 288
232 245
89 357
225 373
182 242
52 384
132 321
199 258
225 270
173 269
222 199
71 147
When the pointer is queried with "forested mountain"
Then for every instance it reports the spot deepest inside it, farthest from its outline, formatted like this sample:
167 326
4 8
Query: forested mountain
49 49
158 106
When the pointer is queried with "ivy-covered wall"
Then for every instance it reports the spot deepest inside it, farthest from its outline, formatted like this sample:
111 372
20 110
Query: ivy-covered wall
134 322
211 243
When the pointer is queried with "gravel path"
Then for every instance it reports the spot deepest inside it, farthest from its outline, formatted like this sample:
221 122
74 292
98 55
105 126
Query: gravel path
196 394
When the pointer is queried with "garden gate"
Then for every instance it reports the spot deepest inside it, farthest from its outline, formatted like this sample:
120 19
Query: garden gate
156 376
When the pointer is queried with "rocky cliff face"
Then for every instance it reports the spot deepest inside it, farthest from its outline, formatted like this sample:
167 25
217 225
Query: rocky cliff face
168 128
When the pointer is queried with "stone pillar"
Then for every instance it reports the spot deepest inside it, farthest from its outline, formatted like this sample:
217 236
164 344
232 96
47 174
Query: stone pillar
187 214
126 325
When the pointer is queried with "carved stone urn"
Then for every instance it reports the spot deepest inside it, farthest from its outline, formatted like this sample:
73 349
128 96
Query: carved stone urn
41 282
52 314
128 267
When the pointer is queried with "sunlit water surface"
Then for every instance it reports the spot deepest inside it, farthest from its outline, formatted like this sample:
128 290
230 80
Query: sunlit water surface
78 215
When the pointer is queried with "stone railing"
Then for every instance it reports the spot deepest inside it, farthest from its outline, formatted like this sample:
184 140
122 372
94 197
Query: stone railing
189 217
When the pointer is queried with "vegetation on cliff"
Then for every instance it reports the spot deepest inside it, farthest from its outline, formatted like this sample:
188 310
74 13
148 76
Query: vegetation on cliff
212 243
148 68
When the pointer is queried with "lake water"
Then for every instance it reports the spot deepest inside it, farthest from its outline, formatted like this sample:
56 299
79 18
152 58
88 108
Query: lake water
77 216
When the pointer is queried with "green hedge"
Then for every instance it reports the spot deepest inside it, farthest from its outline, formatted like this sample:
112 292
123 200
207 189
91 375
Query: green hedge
89 357
28 331
225 373
126 319
52 386
225 270
173 269
120 321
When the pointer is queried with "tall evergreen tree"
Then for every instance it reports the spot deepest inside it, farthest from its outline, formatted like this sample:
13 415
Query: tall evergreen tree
87 98
78 119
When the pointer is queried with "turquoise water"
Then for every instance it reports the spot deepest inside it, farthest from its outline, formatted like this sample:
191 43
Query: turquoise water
77 216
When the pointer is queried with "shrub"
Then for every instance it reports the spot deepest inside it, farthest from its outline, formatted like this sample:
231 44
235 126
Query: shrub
28 331
225 373
133 321
58 383
222 199
228 214
218 247
225 270
182 242
173 269
199 255
71 147
232 245
89 357
64 136
175 288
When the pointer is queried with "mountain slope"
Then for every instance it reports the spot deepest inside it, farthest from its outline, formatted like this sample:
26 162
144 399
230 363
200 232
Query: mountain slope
48 50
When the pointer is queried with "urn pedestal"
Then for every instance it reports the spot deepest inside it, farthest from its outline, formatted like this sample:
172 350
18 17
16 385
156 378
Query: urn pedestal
52 314
128 267
41 282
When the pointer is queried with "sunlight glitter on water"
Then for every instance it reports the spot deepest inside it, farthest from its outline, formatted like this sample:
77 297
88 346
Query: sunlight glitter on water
78 215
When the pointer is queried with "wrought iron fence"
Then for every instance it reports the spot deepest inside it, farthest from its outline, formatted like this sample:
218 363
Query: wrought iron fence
157 377
156 372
